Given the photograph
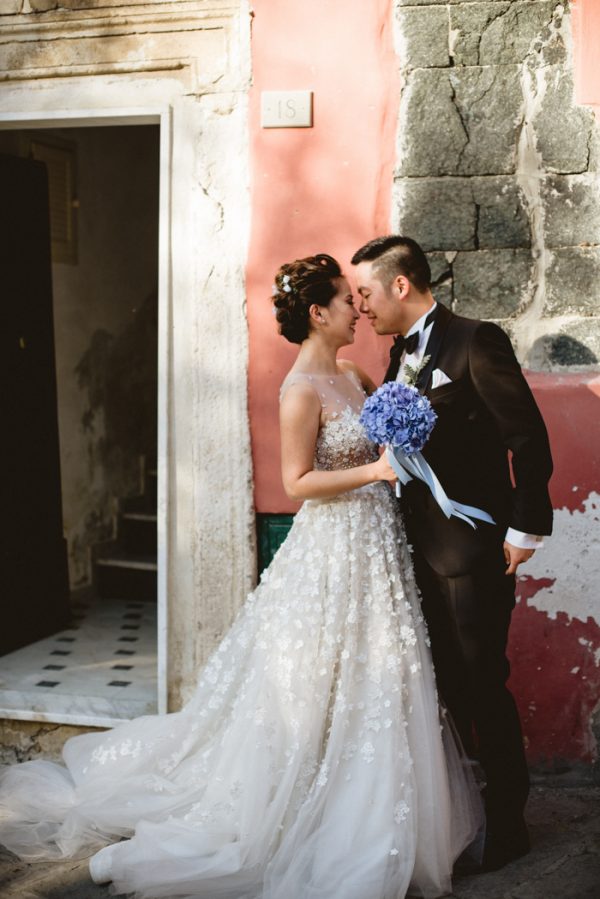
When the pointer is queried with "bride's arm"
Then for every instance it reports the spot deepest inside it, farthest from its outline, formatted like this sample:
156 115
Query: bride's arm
300 413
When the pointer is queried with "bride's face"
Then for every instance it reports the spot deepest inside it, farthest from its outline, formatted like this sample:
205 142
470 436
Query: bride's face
341 315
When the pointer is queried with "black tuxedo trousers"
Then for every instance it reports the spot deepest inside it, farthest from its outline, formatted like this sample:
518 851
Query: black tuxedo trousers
468 618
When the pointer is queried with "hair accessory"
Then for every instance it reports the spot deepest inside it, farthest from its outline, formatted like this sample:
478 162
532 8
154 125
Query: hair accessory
274 290
286 284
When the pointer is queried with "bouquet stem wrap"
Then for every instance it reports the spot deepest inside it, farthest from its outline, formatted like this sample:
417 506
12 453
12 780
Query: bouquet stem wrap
412 466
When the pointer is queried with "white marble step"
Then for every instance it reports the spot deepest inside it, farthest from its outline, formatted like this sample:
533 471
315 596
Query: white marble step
100 671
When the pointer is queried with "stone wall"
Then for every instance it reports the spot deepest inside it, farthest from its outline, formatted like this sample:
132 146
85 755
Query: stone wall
497 170
21 741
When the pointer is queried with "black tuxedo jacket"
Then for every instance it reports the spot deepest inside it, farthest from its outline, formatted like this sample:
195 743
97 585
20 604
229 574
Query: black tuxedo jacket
486 411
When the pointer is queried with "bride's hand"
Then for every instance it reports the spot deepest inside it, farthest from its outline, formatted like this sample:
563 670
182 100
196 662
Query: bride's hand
382 470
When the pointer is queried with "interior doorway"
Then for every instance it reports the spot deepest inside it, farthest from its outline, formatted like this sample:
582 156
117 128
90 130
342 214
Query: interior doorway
82 647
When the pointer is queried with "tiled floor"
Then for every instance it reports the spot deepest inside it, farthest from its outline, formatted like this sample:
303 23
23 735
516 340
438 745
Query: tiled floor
99 671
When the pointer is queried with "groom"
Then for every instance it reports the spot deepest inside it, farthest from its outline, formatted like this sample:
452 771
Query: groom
484 409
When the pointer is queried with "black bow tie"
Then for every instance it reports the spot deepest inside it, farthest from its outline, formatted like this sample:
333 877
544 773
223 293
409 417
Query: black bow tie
409 344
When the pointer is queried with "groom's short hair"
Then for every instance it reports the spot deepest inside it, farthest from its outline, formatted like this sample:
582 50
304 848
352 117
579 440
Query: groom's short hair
395 255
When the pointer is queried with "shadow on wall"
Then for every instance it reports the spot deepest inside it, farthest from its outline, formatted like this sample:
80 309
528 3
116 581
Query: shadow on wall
120 375
559 349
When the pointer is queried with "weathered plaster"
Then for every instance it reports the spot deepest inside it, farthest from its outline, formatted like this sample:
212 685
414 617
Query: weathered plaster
535 320
555 632
569 566
24 740
191 58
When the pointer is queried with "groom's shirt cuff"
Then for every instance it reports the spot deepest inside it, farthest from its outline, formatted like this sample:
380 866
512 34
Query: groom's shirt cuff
523 541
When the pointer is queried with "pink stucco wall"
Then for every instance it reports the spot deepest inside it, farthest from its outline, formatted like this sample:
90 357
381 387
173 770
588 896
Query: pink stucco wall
586 52
321 189
555 634
329 189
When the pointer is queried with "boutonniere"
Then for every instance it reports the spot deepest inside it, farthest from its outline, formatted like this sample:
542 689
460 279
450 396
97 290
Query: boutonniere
412 372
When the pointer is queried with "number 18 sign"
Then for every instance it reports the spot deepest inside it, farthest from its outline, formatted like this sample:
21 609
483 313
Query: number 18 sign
286 109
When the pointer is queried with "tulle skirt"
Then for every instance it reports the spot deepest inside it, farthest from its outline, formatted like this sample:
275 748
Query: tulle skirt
312 761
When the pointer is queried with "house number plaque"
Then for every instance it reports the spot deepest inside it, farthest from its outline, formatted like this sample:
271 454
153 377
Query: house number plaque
286 109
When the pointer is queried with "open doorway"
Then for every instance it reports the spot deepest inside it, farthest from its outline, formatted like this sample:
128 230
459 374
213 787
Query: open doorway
80 642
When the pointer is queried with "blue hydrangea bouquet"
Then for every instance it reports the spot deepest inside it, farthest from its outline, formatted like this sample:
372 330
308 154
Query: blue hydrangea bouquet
400 418
397 415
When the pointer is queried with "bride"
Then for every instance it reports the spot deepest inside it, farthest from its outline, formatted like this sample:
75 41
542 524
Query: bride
310 762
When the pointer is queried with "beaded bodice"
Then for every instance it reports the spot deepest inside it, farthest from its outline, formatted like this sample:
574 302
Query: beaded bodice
341 441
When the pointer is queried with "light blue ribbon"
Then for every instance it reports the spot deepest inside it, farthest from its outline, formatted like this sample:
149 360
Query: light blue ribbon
415 466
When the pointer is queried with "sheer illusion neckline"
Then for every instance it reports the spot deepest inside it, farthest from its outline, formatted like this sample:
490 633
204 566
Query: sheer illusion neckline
335 392
310 375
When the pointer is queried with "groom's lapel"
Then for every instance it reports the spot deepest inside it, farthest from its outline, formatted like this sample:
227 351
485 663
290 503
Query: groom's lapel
436 338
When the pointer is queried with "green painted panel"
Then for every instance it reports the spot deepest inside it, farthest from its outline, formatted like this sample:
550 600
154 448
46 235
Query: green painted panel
272 531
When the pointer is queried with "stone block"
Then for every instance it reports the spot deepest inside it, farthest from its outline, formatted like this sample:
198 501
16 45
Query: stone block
45 5
573 282
441 270
490 105
423 36
123 47
440 264
432 136
468 25
460 121
499 33
491 284
594 146
549 48
11 7
563 130
443 293
578 343
501 216
572 210
573 343
437 212
463 213
21 741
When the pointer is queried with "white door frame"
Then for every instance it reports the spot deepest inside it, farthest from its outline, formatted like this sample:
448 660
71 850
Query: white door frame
93 118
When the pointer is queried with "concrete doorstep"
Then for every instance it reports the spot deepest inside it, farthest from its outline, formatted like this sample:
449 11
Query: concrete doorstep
564 862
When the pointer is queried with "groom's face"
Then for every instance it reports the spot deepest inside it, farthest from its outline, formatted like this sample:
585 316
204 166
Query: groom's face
381 306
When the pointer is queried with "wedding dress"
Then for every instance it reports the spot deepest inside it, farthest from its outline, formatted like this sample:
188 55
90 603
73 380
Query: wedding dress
312 761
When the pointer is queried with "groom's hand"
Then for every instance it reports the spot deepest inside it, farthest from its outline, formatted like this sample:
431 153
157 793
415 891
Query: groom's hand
514 556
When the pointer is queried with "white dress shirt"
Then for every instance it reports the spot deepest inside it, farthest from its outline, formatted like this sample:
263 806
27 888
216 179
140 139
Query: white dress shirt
514 537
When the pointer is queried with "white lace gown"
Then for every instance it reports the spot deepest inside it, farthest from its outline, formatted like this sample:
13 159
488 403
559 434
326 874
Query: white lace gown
310 762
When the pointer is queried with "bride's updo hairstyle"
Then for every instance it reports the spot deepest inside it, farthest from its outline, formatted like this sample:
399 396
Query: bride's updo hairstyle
298 285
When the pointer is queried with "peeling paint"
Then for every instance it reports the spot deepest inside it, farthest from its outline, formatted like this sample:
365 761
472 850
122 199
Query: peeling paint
570 564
